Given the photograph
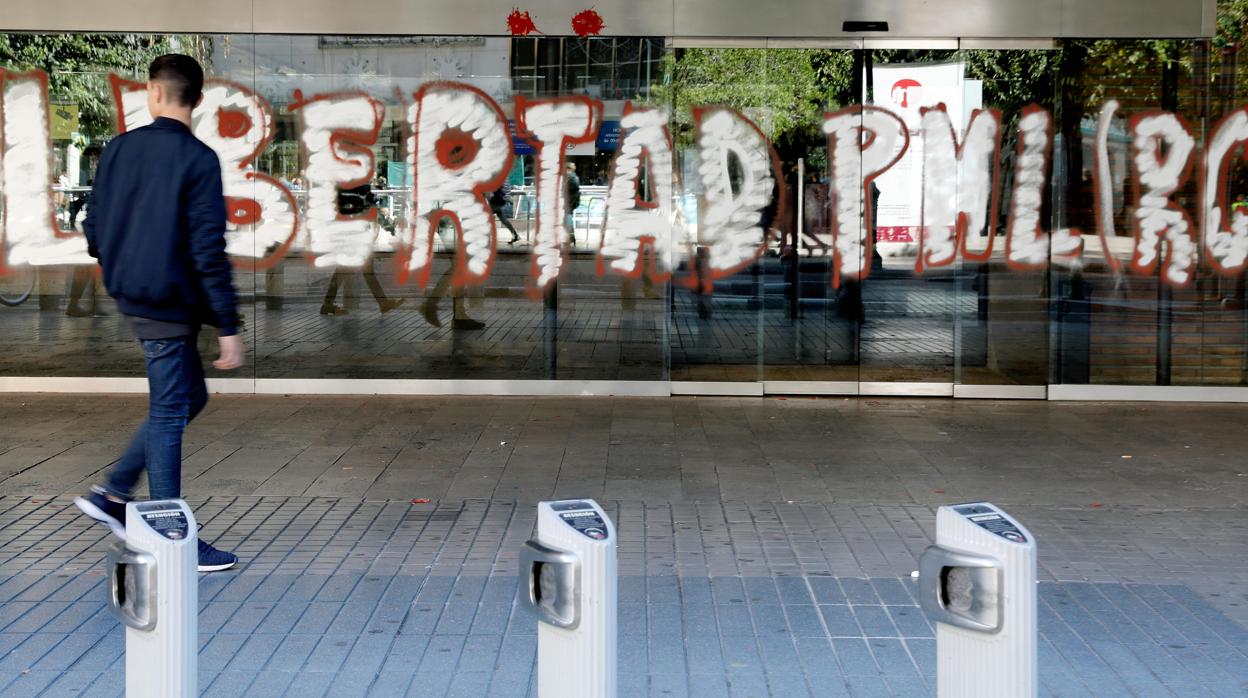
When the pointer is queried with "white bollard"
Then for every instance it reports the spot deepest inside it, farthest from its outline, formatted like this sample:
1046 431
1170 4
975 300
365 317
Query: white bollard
978 586
154 590
568 577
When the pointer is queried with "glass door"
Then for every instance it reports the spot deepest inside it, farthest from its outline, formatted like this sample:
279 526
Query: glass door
950 308
1002 291
769 315
909 290
886 268
811 316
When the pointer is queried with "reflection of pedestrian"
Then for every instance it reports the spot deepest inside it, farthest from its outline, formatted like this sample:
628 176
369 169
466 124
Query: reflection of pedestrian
90 160
62 192
83 278
354 202
384 304
500 204
80 202
459 317
164 260
572 200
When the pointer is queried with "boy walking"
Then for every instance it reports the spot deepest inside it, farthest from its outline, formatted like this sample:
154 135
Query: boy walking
157 227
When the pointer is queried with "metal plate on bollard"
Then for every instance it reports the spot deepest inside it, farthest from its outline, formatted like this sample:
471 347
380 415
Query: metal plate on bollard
550 584
960 589
132 587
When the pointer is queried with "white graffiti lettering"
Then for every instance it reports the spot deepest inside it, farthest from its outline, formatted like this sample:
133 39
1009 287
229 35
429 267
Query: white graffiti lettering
1227 246
237 124
635 219
30 228
552 126
1027 246
460 150
1104 182
337 133
732 224
1156 216
958 185
863 142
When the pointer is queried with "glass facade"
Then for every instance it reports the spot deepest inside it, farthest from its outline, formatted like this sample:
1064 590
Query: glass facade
778 216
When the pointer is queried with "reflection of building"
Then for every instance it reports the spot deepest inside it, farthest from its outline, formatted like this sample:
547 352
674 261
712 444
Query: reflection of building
377 65
389 68
612 69
606 68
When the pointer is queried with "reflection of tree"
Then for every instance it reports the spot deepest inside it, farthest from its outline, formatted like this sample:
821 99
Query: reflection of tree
78 63
785 91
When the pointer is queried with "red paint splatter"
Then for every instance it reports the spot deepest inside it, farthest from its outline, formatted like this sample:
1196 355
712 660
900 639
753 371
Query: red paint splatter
520 23
456 148
242 211
232 123
587 23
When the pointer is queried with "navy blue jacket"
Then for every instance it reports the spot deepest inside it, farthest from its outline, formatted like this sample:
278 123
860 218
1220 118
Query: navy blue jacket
157 225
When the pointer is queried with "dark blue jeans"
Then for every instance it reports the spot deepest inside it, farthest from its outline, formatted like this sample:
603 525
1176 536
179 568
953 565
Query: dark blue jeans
177 392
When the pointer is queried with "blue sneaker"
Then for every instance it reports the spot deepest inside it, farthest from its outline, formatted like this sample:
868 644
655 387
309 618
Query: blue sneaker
103 508
213 560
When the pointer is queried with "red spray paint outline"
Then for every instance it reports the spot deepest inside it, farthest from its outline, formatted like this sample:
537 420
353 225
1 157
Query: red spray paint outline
590 134
777 174
587 23
348 140
460 276
58 233
647 252
1184 175
120 84
864 269
962 220
1047 157
1220 196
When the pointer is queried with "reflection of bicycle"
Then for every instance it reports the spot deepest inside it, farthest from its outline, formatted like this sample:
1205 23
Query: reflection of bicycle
16 285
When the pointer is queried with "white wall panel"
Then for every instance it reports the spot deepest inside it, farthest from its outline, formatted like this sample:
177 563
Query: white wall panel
682 18
472 17
167 16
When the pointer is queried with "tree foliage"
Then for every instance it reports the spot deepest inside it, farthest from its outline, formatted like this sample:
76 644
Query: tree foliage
78 66
1232 23
778 89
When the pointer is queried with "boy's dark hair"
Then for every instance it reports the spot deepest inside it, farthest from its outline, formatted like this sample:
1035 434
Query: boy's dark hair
182 74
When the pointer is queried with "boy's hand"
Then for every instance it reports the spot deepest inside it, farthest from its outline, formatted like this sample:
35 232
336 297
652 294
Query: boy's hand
232 352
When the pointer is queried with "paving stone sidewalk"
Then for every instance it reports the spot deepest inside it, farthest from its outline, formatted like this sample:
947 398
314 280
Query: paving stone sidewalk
802 590
383 598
